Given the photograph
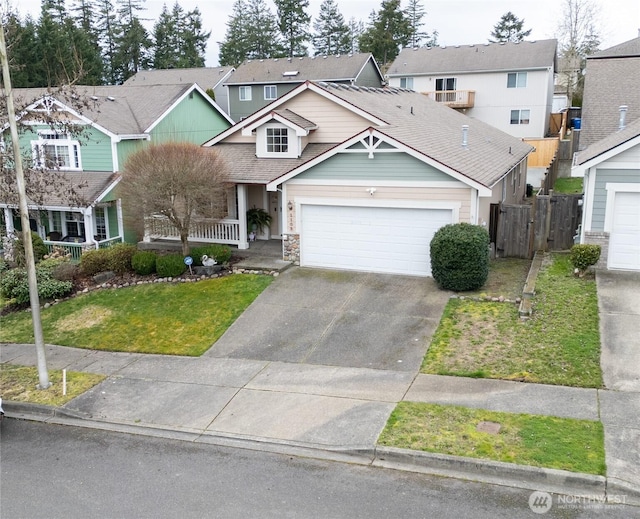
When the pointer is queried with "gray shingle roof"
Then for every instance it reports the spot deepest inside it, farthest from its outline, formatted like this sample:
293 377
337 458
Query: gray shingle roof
611 80
320 68
527 55
414 120
610 142
296 119
122 110
206 77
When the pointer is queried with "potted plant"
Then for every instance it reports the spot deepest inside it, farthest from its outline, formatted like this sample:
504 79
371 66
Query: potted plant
258 219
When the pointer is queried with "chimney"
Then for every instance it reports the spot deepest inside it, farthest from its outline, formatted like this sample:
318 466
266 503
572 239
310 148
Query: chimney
623 115
465 135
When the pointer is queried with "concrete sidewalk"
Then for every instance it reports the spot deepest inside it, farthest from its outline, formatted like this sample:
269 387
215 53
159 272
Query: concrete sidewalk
310 410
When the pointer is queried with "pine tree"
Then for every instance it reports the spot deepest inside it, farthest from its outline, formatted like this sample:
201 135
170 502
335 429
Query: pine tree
389 30
84 14
356 29
332 35
108 32
193 40
509 28
293 22
262 32
164 31
22 52
415 13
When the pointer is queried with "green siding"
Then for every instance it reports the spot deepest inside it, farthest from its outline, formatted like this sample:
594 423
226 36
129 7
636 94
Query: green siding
128 148
192 120
369 76
239 109
604 176
384 166
112 218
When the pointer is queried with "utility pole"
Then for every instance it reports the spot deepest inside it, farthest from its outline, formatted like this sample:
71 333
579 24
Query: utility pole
43 374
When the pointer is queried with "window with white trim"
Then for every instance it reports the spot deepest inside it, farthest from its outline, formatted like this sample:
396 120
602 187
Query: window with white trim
406 82
74 223
277 140
516 80
245 93
101 223
270 92
55 150
520 116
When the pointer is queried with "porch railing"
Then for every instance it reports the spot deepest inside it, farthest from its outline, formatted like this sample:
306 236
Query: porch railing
75 250
453 98
225 231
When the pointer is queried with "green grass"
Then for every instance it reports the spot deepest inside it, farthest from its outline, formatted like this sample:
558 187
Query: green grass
540 441
162 318
18 383
568 186
559 345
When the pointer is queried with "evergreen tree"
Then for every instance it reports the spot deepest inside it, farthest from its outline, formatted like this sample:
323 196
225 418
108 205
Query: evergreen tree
132 42
234 49
332 35
389 30
415 13
164 36
108 33
193 40
22 52
293 22
262 32
356 29
509 28
84 14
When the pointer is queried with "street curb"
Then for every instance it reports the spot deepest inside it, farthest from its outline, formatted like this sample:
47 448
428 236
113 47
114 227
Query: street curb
494 472
619 487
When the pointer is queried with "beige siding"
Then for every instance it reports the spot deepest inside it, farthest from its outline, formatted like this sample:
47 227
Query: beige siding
401 194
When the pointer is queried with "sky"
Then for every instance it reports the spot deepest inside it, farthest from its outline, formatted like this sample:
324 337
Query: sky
458 22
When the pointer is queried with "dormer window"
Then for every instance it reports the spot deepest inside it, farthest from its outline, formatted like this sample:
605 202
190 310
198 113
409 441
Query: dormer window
277 140
56 150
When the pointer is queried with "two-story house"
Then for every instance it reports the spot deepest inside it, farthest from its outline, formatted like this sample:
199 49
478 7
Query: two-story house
355 179
116 122
507 85
257 83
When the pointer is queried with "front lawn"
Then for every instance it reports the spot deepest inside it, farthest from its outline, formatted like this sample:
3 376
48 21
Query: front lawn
540 441
568 186
559 345
162 318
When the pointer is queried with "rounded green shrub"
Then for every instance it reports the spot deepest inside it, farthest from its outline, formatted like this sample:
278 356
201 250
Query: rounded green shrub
14 283
170 266
221 253
143 262
583 256
120 256
94 261
39 249
460 256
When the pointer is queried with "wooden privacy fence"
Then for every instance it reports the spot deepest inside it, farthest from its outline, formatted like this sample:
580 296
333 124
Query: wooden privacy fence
550 223
545 150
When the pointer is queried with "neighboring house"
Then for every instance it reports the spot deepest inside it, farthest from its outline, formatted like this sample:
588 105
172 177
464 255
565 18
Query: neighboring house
117 121
611 208
257 83
210 79
361 178
507 85
612 80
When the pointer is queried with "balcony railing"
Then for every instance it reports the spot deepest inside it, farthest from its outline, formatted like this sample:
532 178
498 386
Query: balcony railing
225 231
453 98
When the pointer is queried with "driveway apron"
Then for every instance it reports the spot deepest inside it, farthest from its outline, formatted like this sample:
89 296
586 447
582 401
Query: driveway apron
337 318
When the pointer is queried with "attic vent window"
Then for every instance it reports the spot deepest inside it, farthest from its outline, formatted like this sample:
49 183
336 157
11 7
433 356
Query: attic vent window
290 73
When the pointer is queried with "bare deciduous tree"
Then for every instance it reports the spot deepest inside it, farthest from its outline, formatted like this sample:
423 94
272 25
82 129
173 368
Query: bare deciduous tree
178 180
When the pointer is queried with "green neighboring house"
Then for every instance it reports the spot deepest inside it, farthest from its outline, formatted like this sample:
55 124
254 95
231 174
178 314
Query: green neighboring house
117 121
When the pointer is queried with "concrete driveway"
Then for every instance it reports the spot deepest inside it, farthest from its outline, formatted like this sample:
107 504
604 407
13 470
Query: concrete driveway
619 305
338 318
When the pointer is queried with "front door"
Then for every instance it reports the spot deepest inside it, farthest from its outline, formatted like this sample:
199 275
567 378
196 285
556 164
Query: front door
275 212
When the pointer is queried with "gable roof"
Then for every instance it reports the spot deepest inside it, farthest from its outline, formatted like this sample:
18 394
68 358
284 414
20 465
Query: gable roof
603 149
412 122
298 70
206 77
611 80
483 57
121 110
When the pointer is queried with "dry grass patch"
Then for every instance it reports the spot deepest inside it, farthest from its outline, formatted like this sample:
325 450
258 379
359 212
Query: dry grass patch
91 315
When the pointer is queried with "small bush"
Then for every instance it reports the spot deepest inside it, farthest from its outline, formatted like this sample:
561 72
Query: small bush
221 253
120 256
39 249
460 256
94 261
170 266
583 256
66 271
144 262
14 283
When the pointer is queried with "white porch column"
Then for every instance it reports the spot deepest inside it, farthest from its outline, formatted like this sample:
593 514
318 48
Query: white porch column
8 221
243 194
88 226
121 219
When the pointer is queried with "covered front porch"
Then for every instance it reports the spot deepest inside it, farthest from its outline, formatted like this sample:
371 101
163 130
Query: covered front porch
232 230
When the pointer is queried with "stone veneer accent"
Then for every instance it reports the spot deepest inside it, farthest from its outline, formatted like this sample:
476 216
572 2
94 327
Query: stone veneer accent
599 238
291 246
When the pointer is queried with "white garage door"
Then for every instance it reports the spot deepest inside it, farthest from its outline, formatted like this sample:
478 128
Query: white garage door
371 239
624 239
